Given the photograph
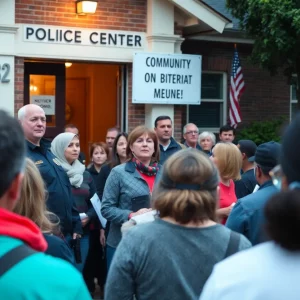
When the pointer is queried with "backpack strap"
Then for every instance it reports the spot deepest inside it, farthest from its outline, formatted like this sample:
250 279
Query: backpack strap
14 256
233 244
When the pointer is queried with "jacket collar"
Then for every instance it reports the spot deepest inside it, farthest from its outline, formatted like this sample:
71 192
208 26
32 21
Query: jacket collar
173 144
197 146
266 184
130 167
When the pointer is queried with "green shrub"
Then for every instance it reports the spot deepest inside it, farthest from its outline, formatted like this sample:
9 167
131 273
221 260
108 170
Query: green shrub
262 132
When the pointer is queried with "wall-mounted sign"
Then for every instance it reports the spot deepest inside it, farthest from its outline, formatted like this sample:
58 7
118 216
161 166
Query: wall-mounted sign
46 102
166 78
79 36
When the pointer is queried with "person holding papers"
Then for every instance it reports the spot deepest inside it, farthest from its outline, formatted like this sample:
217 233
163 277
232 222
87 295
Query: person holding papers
66 148
129 186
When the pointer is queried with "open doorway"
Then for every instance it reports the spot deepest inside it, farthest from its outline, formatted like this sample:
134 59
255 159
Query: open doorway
92 97
91 100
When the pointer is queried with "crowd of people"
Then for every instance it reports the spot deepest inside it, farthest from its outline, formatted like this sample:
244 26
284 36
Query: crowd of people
201 200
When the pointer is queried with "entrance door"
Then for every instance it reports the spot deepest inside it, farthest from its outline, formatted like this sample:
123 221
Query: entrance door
44 85
77 108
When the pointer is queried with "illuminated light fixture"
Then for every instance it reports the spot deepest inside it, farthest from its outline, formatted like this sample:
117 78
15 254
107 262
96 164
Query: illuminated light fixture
84 7
68 64
33 88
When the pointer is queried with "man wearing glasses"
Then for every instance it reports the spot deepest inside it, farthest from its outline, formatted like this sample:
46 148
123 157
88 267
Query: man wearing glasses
247 216
191 135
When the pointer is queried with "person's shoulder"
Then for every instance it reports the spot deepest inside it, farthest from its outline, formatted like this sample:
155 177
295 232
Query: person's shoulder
145 230
49 277
243 261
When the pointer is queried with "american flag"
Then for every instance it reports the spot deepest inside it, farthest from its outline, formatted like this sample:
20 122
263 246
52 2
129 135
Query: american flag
237 86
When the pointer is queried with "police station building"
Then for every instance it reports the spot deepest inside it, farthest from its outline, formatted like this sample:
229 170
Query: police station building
105 63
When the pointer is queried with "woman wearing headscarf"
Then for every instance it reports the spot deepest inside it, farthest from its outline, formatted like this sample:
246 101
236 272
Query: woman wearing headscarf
172 257
66 148
129 186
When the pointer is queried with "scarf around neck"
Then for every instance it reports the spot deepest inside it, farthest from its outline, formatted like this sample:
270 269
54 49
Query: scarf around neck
151 170
74 171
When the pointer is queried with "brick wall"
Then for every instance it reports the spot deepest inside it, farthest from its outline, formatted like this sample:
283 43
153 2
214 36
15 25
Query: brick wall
265 97
19 83
127 15
136 112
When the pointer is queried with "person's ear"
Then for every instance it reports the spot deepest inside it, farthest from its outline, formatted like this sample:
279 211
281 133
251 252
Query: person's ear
284 183
244 156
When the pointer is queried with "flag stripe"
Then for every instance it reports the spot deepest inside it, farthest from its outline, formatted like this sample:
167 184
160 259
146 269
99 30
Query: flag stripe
237 86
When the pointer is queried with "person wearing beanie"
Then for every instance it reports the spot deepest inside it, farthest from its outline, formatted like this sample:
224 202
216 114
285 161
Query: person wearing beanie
247 215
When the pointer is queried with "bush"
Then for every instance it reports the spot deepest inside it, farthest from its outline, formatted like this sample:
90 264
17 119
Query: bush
262 132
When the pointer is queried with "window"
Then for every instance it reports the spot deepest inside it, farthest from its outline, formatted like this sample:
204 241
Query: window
210 115
294 102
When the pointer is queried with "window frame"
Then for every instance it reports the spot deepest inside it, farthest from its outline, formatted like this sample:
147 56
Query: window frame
224 101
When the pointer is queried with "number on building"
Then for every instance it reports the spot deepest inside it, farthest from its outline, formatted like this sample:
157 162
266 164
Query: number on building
4 72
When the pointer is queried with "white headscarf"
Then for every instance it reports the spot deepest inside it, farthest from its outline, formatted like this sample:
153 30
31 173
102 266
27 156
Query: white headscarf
58 147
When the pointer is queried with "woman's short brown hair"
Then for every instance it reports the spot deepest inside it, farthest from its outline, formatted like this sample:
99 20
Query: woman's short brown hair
101 145
187 189
135 134
229 160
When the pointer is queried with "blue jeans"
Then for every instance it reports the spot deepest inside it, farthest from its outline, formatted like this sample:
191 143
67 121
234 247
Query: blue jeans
84 249
110 252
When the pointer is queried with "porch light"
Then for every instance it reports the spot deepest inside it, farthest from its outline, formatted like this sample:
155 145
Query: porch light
84 7
68 64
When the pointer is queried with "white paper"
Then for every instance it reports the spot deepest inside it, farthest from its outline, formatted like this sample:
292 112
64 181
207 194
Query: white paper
97 206
145 218
83 216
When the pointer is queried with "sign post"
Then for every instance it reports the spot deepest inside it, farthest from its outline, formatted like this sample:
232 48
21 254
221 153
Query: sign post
166 78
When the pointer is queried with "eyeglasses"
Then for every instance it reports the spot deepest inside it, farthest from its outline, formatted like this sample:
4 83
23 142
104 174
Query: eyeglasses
276 175
192 132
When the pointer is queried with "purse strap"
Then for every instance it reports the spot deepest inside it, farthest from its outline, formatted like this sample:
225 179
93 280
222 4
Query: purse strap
233 244
14 256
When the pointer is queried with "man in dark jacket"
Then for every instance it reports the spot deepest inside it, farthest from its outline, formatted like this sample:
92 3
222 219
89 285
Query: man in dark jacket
60 200
21 241
247 183
167 144
247 216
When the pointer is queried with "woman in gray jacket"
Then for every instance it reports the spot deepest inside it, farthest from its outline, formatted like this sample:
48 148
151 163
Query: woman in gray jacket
128 188
172 257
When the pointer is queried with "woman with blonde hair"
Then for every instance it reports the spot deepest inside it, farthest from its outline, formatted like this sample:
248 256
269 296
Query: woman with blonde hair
179 248
32 204
228 159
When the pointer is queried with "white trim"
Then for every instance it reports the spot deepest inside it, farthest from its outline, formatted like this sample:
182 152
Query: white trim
221 39
224 101
203 13
9 29
164 38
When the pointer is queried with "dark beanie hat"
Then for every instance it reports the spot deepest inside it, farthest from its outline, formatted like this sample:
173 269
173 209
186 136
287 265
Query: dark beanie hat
290 158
